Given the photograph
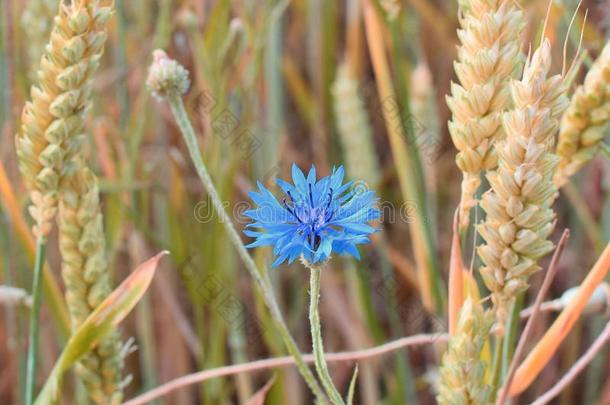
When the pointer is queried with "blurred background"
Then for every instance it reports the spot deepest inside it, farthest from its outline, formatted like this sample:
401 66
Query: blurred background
275 83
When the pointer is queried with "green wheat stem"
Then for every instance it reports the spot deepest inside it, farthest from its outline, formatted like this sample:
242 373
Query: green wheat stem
512 331
496 367
30 378
316 336
188 133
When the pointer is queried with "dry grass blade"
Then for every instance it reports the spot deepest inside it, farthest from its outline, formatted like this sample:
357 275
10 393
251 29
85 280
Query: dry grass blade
261 394
576 369
547 346
99 324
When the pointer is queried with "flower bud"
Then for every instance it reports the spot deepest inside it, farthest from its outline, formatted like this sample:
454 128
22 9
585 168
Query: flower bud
166 77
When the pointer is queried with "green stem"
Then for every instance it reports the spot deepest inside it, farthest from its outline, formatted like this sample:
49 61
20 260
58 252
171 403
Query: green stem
505 345
188 133
30 378
512 330
316 337
496 367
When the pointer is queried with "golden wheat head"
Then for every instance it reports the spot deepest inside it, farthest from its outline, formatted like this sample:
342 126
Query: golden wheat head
518 206
488 57
53 121
585 123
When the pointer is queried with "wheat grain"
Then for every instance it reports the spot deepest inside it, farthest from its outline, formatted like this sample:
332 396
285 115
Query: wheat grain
518 206
585 123
488 57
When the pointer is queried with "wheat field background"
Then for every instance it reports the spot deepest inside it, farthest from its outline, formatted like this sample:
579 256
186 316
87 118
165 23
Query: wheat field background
451 244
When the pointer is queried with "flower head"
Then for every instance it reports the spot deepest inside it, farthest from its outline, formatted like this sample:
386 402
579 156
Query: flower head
314 218
166 77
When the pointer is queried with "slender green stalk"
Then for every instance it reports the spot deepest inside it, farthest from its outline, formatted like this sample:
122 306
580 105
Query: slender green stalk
512 330
316 336
177 107
120 56
30 379
496 366
352 387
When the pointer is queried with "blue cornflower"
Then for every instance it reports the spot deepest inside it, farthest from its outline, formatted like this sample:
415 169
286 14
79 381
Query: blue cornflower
314 218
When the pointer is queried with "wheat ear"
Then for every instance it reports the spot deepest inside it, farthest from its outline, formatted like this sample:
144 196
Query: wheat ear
354 129
53 121
586 121
87 280
462 372
488 57
518 206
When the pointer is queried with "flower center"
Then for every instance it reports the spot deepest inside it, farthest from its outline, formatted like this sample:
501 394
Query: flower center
311 216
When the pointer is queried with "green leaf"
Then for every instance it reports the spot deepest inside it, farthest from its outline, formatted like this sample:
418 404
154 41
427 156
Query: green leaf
102 321
352 387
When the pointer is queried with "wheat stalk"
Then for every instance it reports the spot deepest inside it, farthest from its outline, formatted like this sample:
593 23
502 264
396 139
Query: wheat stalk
87 280
585 123
53 121
488 57
462 371
518 206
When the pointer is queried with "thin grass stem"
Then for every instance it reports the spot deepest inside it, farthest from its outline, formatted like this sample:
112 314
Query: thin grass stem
496 364
512 331
30 378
